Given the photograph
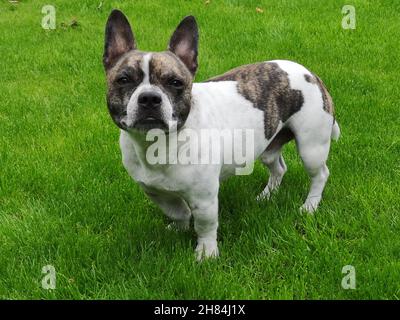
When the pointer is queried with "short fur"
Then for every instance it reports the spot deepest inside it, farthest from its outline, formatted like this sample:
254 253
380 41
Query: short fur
267 87
278 100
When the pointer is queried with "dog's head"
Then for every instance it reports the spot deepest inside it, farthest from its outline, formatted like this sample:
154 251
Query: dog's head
148 90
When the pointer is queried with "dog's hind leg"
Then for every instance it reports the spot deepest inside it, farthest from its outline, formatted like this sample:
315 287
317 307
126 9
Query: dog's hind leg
276 164
273 160
314 149
314 159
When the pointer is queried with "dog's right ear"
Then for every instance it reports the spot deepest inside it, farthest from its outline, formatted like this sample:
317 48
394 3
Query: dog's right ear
119 38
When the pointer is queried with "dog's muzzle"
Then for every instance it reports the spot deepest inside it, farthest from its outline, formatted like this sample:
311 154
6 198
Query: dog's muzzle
149 114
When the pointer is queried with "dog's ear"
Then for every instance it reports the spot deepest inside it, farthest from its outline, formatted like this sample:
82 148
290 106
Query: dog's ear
184 43
119 38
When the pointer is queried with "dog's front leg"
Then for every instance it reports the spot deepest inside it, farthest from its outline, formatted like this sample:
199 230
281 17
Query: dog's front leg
205 214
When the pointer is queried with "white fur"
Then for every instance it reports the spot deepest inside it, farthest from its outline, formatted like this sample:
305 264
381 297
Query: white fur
185 190
312 127
335 131
145 66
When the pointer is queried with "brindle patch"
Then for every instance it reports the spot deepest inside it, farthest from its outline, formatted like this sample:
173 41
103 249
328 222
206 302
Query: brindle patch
326 97
267 87
309 78
130 59
284 136
118 95
165 67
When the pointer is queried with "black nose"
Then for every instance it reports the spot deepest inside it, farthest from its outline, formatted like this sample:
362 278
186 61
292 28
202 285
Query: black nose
149 100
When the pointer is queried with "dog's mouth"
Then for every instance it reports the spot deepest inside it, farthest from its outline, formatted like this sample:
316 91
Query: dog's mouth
148 123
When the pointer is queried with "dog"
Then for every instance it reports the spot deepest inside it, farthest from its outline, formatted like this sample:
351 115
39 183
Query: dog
278 100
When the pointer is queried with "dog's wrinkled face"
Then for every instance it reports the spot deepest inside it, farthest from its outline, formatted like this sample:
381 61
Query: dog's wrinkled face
149 90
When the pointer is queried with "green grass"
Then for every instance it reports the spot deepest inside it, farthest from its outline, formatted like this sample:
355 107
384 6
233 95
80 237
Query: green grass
66 200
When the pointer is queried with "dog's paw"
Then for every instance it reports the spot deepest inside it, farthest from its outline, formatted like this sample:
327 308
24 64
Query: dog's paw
273 185
181 225
206 250
265 195
311 205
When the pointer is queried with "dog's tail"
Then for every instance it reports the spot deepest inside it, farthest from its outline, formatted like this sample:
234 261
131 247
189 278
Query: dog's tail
335 131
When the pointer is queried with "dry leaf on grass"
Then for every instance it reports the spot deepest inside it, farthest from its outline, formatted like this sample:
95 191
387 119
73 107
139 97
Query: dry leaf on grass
72 24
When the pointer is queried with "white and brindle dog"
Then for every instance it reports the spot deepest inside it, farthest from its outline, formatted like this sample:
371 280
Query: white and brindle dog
279 100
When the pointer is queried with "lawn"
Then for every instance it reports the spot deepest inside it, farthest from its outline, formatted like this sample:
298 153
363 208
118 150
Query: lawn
66 200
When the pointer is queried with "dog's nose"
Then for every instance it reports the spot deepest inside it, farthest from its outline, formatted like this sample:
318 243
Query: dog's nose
149 100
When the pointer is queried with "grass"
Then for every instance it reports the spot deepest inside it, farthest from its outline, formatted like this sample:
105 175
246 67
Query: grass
66 200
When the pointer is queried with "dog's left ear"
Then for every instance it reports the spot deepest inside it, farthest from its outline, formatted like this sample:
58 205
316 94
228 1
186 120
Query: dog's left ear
184 43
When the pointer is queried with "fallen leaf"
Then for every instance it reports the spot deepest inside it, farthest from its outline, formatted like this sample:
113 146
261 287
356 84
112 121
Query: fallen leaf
259 10
72 24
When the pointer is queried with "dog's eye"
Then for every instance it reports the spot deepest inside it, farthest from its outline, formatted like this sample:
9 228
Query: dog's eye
176 83
123 80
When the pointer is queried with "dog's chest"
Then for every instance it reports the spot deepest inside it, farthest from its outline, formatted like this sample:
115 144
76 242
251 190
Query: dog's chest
173 178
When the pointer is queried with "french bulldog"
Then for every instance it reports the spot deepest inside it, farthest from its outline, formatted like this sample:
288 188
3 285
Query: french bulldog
277 100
